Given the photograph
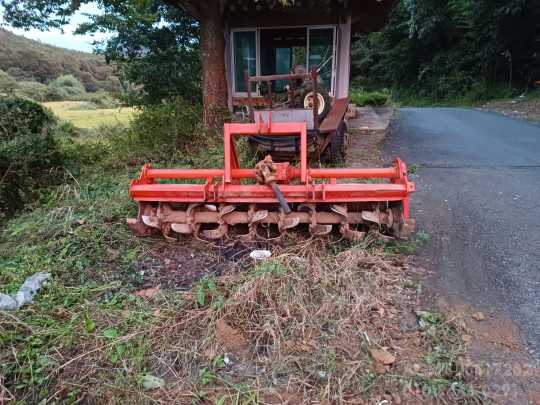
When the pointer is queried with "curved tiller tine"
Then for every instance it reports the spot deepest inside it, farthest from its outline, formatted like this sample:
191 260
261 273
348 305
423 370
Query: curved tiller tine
344 229
155 222
164 227
283 225
255 217
286 222
379 219
190 219
402 229
320 230
150 217
221 232
183 229
166 231
315 229
137 225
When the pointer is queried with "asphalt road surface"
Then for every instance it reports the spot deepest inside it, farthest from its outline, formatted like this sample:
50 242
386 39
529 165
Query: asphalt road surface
478 198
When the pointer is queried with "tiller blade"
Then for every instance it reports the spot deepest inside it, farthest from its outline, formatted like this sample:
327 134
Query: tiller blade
278 199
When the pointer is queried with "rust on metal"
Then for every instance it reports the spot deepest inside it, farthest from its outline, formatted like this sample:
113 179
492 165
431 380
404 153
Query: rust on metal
335 116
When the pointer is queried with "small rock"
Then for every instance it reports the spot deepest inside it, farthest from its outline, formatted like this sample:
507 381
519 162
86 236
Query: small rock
280 378
479 316
151 382
416 367
323 375
382 356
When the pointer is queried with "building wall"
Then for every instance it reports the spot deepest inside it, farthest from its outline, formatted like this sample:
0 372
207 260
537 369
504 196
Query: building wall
344 59
228 66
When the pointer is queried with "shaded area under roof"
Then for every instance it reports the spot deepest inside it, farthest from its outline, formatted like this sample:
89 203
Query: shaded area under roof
367 15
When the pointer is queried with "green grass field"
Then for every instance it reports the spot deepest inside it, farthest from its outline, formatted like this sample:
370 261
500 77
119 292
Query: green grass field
84 114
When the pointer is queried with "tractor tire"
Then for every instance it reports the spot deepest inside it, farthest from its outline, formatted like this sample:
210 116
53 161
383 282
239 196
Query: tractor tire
306 97
336 152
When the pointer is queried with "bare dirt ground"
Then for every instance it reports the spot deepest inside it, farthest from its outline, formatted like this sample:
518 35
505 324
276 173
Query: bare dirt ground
366 136
528 109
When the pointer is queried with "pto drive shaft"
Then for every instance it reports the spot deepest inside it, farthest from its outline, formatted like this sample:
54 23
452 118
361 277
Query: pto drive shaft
265 172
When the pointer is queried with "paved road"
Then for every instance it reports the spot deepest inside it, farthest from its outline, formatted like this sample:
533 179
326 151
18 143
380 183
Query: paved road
479 199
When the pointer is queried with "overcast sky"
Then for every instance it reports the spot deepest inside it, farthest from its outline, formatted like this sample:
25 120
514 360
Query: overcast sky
65 39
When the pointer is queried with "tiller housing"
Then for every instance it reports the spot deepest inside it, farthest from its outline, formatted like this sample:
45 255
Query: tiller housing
280 196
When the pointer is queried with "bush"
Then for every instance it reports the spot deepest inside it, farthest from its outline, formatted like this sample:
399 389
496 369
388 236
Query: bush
67 87
375 98
159 131
20 117
7 83
28 151
111 85
34 90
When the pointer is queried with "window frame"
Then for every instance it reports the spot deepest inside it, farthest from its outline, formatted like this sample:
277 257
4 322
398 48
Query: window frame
258 53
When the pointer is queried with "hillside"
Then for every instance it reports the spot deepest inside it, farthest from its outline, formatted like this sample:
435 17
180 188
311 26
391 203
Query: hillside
29 60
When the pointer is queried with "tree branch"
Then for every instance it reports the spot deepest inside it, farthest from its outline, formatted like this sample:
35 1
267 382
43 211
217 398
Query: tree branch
192 7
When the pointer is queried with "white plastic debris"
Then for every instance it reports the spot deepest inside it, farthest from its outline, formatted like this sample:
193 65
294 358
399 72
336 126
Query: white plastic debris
227 360
7 303
260 255
26 293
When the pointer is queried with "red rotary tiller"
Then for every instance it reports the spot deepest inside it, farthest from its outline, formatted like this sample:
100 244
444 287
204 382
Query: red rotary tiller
280 198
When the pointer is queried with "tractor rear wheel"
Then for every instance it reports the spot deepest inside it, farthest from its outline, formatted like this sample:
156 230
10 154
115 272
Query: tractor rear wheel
323 99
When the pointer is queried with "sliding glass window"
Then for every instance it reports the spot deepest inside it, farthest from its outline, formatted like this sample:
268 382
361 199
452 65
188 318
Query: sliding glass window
245 57
321 54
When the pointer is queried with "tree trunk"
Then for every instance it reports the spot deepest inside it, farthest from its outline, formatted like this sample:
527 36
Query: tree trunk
213 68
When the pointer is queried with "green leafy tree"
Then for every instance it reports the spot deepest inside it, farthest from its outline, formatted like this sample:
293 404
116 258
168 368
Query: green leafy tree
444 48
28 151
68 87
154 47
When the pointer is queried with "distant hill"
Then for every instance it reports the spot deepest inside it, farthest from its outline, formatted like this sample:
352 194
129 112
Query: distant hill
29 60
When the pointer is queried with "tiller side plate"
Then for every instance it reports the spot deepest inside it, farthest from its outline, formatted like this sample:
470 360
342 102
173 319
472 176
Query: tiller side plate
280 198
